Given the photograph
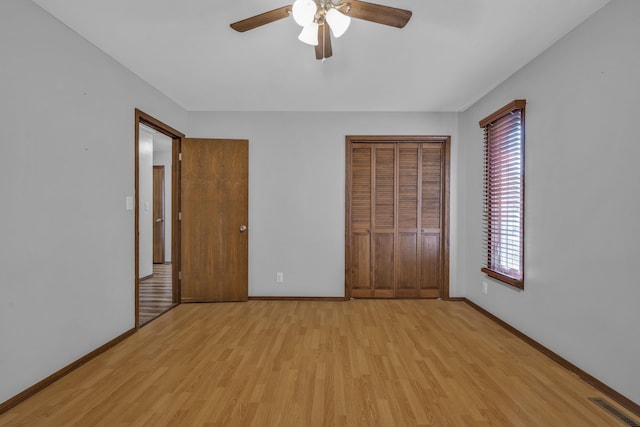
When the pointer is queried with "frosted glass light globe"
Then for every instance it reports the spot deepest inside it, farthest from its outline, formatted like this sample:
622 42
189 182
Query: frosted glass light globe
309 34
338 22
304 12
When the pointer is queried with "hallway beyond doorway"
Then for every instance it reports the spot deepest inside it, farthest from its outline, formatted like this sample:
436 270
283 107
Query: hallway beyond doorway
156 293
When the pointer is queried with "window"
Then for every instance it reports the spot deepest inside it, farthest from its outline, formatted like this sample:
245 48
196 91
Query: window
504 194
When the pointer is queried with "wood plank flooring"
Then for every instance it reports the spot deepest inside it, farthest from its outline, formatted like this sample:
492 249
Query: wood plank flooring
155 293
299 363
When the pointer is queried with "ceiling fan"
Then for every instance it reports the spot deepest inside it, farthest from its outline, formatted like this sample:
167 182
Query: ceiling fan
318 17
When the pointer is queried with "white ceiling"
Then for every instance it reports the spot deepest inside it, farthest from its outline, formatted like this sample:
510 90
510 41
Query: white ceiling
450 54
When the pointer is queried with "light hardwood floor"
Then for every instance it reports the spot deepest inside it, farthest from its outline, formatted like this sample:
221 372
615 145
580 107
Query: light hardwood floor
156 293
293 363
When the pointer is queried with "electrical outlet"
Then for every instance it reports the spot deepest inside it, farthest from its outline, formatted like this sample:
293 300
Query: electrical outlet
485 287
279 277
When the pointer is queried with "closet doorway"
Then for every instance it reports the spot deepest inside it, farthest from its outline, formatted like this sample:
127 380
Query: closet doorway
397 217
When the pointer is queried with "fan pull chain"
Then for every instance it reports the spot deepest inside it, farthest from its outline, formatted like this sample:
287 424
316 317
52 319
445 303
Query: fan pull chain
324 42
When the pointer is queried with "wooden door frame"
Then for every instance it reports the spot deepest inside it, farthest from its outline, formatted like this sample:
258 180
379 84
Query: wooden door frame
350 140
176 137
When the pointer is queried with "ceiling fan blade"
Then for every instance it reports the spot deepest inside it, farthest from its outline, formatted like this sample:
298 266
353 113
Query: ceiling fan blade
379 14
323 49
262 19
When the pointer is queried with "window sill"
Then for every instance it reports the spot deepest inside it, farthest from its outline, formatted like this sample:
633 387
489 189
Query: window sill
505 279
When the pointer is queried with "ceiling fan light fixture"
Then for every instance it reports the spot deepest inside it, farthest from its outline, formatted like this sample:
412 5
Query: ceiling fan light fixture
338 22
309 34
315 16
304 12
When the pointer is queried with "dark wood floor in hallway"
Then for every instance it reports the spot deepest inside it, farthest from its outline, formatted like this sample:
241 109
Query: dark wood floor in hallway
302 363
155 293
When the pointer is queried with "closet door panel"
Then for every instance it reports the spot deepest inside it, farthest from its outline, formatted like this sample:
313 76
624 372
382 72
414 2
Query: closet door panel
384 216
431 220
408 173
361 259
432 186
361 188
430 264
384 270
407 265
361 221
408 184
384 190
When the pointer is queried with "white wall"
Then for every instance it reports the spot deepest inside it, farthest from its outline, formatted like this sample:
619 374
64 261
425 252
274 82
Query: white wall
145 203
582 199
162 157
66 166
297 190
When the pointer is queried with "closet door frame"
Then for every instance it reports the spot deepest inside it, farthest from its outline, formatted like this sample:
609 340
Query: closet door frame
353 140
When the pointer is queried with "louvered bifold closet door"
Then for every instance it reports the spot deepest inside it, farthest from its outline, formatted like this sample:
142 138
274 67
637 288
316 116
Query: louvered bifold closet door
396 232
361 220
408 227
419 228
432 227
373 220
384 219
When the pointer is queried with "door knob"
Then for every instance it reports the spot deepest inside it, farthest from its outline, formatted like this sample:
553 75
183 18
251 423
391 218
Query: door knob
243 228
159 220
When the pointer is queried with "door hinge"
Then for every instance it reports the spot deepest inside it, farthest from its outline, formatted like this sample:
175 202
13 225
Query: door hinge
179 275
179 157
179 216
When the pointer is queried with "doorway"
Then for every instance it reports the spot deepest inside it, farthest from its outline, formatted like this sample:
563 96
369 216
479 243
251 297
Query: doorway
161 246
209 217
397 217
157 231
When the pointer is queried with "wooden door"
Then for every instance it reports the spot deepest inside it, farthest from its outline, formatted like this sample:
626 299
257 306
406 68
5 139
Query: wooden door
214 220
158 215
397 216
373 225
359 219
408 224
420 222
433 238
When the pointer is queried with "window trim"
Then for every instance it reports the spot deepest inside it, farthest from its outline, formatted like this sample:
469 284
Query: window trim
518 104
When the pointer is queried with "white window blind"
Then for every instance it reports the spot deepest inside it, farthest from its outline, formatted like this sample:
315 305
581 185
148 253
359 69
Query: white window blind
504 194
